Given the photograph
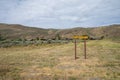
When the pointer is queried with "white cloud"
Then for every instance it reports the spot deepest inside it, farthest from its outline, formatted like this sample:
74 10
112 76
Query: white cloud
70 18
29 10
57 13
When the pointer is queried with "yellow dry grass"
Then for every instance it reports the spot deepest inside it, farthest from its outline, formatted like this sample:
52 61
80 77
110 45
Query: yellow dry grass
56 62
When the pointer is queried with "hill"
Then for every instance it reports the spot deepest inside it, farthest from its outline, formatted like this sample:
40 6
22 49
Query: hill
15 31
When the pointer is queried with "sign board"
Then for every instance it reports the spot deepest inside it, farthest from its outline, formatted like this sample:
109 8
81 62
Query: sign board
81 37
84 37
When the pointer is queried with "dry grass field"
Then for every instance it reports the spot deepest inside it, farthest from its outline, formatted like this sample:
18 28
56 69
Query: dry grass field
56 62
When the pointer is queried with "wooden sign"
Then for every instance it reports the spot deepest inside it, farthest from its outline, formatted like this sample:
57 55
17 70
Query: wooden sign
85 37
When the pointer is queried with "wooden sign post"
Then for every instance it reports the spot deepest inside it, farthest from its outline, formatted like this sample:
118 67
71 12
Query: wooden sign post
83 37
75 50
76 37
85 48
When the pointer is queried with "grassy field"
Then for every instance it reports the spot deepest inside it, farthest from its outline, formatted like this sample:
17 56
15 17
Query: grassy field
56 62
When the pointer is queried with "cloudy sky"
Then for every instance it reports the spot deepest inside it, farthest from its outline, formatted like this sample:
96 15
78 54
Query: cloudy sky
60 13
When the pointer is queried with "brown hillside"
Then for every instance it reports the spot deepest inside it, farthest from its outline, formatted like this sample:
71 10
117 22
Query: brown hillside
15 31
112 31
19 31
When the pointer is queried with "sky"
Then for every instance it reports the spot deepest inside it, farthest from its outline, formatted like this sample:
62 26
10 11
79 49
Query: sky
60 14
